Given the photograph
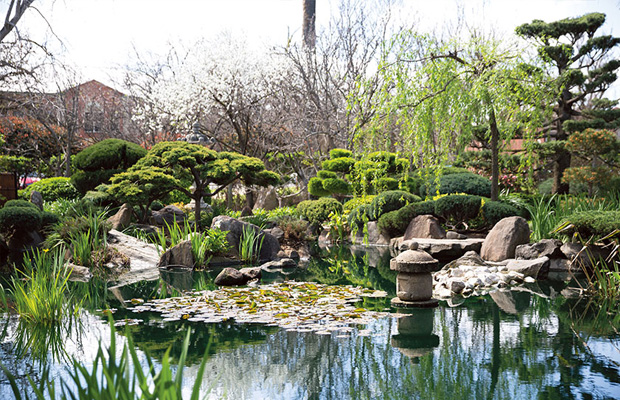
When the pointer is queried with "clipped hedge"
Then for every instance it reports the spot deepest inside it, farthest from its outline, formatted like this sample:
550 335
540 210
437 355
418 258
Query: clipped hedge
391 200
457 209
458 183
19 219
53 189
21 204
317 211
336 186
315 187
595 224
395 223
340 153
342 164
494 211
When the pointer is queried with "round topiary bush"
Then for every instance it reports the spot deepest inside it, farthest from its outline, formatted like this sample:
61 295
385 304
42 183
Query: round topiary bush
588 224
48 219
21 204
494 211
467 183
317 211
395 223
336 186
458 209
391 200
315 187
323 174
53 189
19 219
341 164
97 163
339 153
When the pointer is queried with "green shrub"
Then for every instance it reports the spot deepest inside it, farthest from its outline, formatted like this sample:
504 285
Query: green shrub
52 189
386 183
355 202
323 174
341 164
19 218
395 223
340 153
48 219
336 186
390 201
317 211
458 209
494 211
294 228
359 216
589 224
426 172
315 187
97 163
385 156
546 187
21 204
98 198
467 183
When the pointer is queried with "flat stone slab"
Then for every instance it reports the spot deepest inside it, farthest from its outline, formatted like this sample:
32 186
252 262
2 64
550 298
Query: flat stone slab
143 258
448 249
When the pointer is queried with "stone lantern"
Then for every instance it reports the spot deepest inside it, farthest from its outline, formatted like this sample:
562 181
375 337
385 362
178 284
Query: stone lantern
414 282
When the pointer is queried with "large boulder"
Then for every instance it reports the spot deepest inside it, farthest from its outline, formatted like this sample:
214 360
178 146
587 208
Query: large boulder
545 248
230 277
470 258
425 227
235 228
536 268
502 241
168 215
375 236
267 199
181 254
36 198
122 218
447 250
583 257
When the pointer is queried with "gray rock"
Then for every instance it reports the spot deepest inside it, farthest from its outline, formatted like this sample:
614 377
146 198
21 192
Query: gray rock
408 245
267 199
375 236
122 218
143 258
502 241
181 254
447 250
425 227
276 232
37 199
536 268
246 211
230 277
583 258
470 258
546 247
278 264
168 215
455 235
78 273
252 273
270 247
457 286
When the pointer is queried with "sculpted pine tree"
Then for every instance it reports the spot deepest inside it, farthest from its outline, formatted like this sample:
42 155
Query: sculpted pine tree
177 165
583 68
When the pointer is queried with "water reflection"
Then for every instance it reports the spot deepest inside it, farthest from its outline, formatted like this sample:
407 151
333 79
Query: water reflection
415 337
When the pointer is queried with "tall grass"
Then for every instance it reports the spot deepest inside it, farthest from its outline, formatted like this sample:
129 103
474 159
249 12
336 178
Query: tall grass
250 244
40 291
116 377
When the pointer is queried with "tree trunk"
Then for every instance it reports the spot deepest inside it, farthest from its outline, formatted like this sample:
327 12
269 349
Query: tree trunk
68 153
309 20
494 156
562 161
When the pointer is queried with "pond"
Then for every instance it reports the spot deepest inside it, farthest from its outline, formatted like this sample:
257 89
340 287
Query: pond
529 343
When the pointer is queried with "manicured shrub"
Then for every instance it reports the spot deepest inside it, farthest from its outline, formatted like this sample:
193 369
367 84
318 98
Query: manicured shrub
99 162
395 223
336 186
20 203
98 198
317 211
323 174
355 202
315 187
426 172
342 164
340 153
588 224
52 189
467 183
494 211
390 201
387 183
48 219
19 219
458 209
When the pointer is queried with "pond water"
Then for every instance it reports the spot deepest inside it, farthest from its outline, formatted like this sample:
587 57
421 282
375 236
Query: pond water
528 343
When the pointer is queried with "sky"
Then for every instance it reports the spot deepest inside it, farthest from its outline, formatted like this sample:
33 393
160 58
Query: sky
100 37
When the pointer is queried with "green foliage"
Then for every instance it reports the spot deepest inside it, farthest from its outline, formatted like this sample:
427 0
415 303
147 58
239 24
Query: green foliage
458 183
317 211
340 153
357 201
390 201
494 211
48 219
395 223
98 198
294 228
386 183
336 186
315 187
458 209
324 174
99 162
52 189
342 164
19 219
591 224
20 203
358 217
77 223
250 244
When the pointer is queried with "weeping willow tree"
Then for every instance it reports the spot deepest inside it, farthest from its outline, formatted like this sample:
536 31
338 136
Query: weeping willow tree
438 96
